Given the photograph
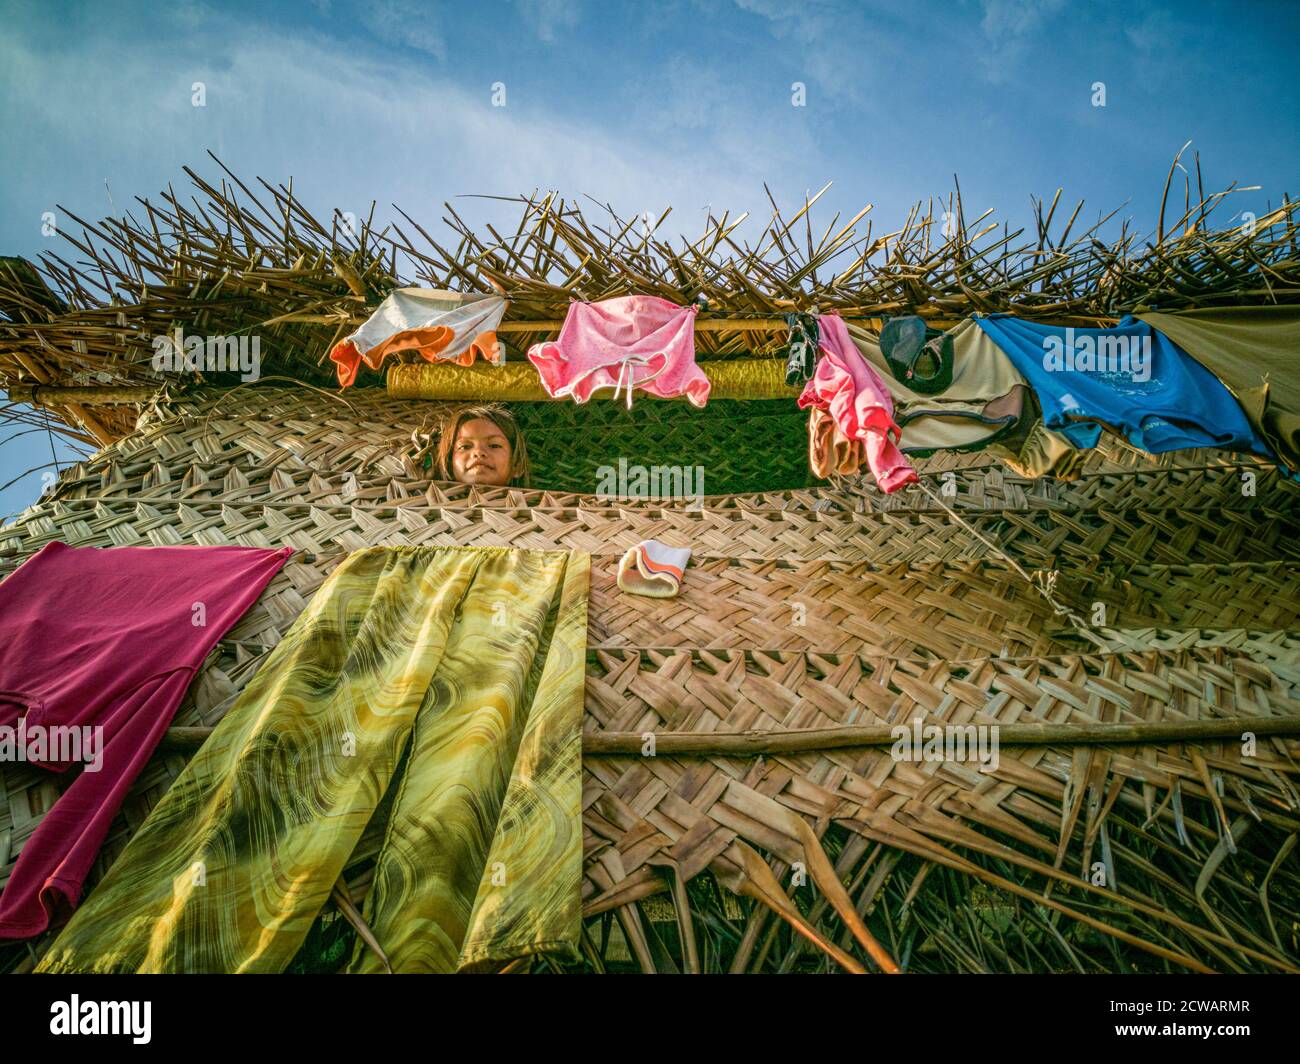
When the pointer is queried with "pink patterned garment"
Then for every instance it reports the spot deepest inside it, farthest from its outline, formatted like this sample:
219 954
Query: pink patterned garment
631 342
846 387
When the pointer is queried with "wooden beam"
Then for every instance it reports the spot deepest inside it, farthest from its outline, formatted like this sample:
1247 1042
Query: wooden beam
56 395
802 740
754 743
66 406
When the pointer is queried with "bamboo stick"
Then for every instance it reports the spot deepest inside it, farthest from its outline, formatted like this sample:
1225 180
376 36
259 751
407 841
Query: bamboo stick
53 395
803 740
815 739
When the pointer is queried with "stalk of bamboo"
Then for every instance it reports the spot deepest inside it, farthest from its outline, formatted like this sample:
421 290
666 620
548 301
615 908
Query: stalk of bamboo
762 743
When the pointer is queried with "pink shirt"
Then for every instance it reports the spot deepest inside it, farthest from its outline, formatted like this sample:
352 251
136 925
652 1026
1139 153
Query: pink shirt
846 387
107 638
631 342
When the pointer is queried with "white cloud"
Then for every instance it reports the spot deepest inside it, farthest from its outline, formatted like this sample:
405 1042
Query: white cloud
1016 18
1156 32
550 18
407 23
348 125
852 52
1010 28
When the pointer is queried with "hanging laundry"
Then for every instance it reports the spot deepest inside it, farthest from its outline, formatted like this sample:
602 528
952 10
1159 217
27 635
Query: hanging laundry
830 452
986 403
99 645
954 392
442 326
1253 351
626 343
653 568
1130 379
471 659
1032 450
845 386
801 348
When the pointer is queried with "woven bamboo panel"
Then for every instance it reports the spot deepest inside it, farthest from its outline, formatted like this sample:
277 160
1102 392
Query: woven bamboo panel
368 430
304 451
1037 539
972 488
650 813
904 608
953 611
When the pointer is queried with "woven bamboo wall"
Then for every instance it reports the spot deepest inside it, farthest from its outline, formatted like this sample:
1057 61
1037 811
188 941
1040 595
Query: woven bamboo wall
811 607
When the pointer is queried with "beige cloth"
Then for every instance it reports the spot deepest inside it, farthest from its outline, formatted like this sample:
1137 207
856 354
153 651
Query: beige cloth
830 452
442 326
652 568
1255 352
987 394
1033 450
978 404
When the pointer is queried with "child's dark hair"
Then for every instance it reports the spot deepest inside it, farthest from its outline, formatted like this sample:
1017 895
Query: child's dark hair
520 471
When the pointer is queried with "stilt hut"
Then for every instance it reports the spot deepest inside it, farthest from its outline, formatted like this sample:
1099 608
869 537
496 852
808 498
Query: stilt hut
1123 628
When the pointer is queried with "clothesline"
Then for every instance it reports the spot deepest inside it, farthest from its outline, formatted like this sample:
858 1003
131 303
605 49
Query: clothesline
720 325
1037 396
733 323
1041 581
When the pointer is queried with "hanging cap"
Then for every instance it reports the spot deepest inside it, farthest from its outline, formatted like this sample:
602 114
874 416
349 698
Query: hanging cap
906 343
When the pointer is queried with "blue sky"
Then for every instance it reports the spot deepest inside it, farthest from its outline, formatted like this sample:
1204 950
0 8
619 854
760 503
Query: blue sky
685 103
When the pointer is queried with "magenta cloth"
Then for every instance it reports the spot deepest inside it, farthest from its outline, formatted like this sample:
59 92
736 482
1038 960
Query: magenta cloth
846 387
109 638
631 342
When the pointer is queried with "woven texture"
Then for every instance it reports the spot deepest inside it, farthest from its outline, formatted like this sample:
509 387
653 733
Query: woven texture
749 378
808 607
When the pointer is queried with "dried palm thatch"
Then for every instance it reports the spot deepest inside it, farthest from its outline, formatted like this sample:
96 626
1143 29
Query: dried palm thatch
232 259
773 836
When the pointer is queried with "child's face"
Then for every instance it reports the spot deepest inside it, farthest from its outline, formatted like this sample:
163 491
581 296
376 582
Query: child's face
481 453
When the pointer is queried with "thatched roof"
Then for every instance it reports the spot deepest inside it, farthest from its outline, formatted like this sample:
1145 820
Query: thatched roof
232 258
1173 850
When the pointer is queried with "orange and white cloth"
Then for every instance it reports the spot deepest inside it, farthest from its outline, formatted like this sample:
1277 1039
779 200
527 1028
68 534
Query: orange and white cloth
653 568
442 326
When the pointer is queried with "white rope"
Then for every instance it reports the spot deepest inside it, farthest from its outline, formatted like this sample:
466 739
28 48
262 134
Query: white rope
1042 581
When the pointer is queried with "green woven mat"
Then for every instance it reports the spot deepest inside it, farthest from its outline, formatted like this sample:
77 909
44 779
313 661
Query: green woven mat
739 446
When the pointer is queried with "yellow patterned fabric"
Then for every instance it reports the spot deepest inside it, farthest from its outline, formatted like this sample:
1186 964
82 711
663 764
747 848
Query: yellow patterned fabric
470 660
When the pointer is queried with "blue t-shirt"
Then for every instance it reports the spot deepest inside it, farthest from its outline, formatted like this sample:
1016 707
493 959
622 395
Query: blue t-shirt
1131 378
